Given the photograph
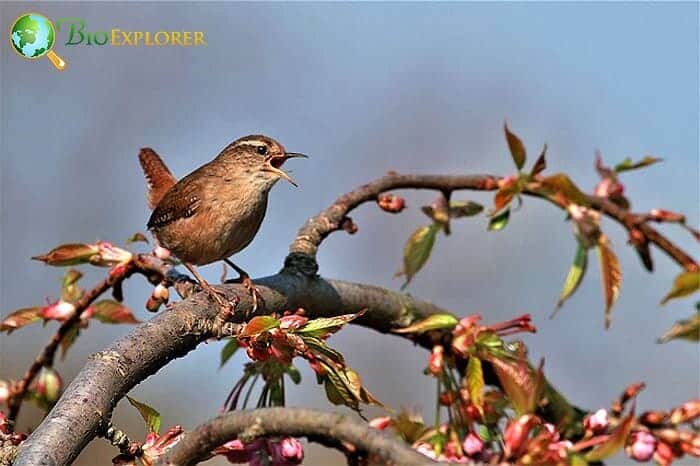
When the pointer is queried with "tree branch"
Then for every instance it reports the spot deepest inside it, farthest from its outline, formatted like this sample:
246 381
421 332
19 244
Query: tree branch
317 228
327 428
109 375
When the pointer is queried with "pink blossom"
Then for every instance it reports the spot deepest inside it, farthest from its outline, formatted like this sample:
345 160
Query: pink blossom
286 452
161 293
642 446
380 423
235 451
597 422
161 252
4 394
60 310
436 361
472 444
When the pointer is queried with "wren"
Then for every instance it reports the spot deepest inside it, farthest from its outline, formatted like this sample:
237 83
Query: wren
215 211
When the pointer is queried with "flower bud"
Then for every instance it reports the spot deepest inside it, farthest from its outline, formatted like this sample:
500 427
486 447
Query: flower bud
380 423
161 252
152 305
517 432
4 425
60 310
472 444
660 215
161 293
235 452
425 449
48 385
391 203
436 362
4 393
108 254
642 446
664 454
286 452
597 422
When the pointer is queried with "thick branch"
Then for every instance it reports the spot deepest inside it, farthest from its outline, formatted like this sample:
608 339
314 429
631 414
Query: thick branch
297 422
317 228
109 375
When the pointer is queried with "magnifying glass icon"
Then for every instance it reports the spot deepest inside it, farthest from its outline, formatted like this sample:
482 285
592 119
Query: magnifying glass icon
32 36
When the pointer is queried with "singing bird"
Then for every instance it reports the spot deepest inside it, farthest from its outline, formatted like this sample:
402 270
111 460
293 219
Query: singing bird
215 211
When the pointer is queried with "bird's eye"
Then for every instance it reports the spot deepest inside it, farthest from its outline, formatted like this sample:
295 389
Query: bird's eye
262 150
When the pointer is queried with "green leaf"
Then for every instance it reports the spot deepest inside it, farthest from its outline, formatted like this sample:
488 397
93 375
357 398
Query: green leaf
69 254
628 164
322 351
150 415
68 339
611 275
540 164
517 149
683 330
576 459
475 383
575 276
228 351
326 325
432 322
20 318
258 325
561 183
460 209
417 250
499 222
71 277
109 311
685 284
294 374
616 441
137 237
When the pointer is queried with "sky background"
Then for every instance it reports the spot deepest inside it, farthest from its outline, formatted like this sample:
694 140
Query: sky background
364 88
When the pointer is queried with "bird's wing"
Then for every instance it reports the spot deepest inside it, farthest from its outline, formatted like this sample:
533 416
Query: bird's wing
181 201
158 177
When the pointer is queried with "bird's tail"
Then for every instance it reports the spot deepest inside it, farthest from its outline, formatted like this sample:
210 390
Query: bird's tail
158 177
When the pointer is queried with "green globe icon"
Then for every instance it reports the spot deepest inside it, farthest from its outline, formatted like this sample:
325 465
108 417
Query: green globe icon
32 36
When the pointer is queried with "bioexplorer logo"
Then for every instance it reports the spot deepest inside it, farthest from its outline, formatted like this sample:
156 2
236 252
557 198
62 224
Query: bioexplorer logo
33 35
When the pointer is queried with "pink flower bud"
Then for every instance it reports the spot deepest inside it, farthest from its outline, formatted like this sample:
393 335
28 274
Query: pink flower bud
642 446
108 254
4 394
292 322
235 452
161 293
597 422
380 423
436 362
517 432
391 203
472 444
161 252
48 385
425 449
4 427
286 452
60 310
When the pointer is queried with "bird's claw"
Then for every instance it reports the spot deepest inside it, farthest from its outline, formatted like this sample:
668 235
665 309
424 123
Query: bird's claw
255 294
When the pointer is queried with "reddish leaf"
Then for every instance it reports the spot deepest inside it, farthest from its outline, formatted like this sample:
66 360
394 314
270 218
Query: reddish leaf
685 284
258 325
464 209
517 149
69 254
433 322
616 440
523 385
137 237
20 318
502 198
611 275
561 183
112 312
540 164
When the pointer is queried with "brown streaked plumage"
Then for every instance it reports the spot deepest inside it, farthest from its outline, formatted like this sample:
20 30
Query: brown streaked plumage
215 211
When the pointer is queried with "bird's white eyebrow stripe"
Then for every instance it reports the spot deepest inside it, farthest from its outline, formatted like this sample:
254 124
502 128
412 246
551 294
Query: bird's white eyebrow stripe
252 142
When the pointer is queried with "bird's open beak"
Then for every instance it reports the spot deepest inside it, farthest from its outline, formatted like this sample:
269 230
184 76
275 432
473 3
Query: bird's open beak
276 161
